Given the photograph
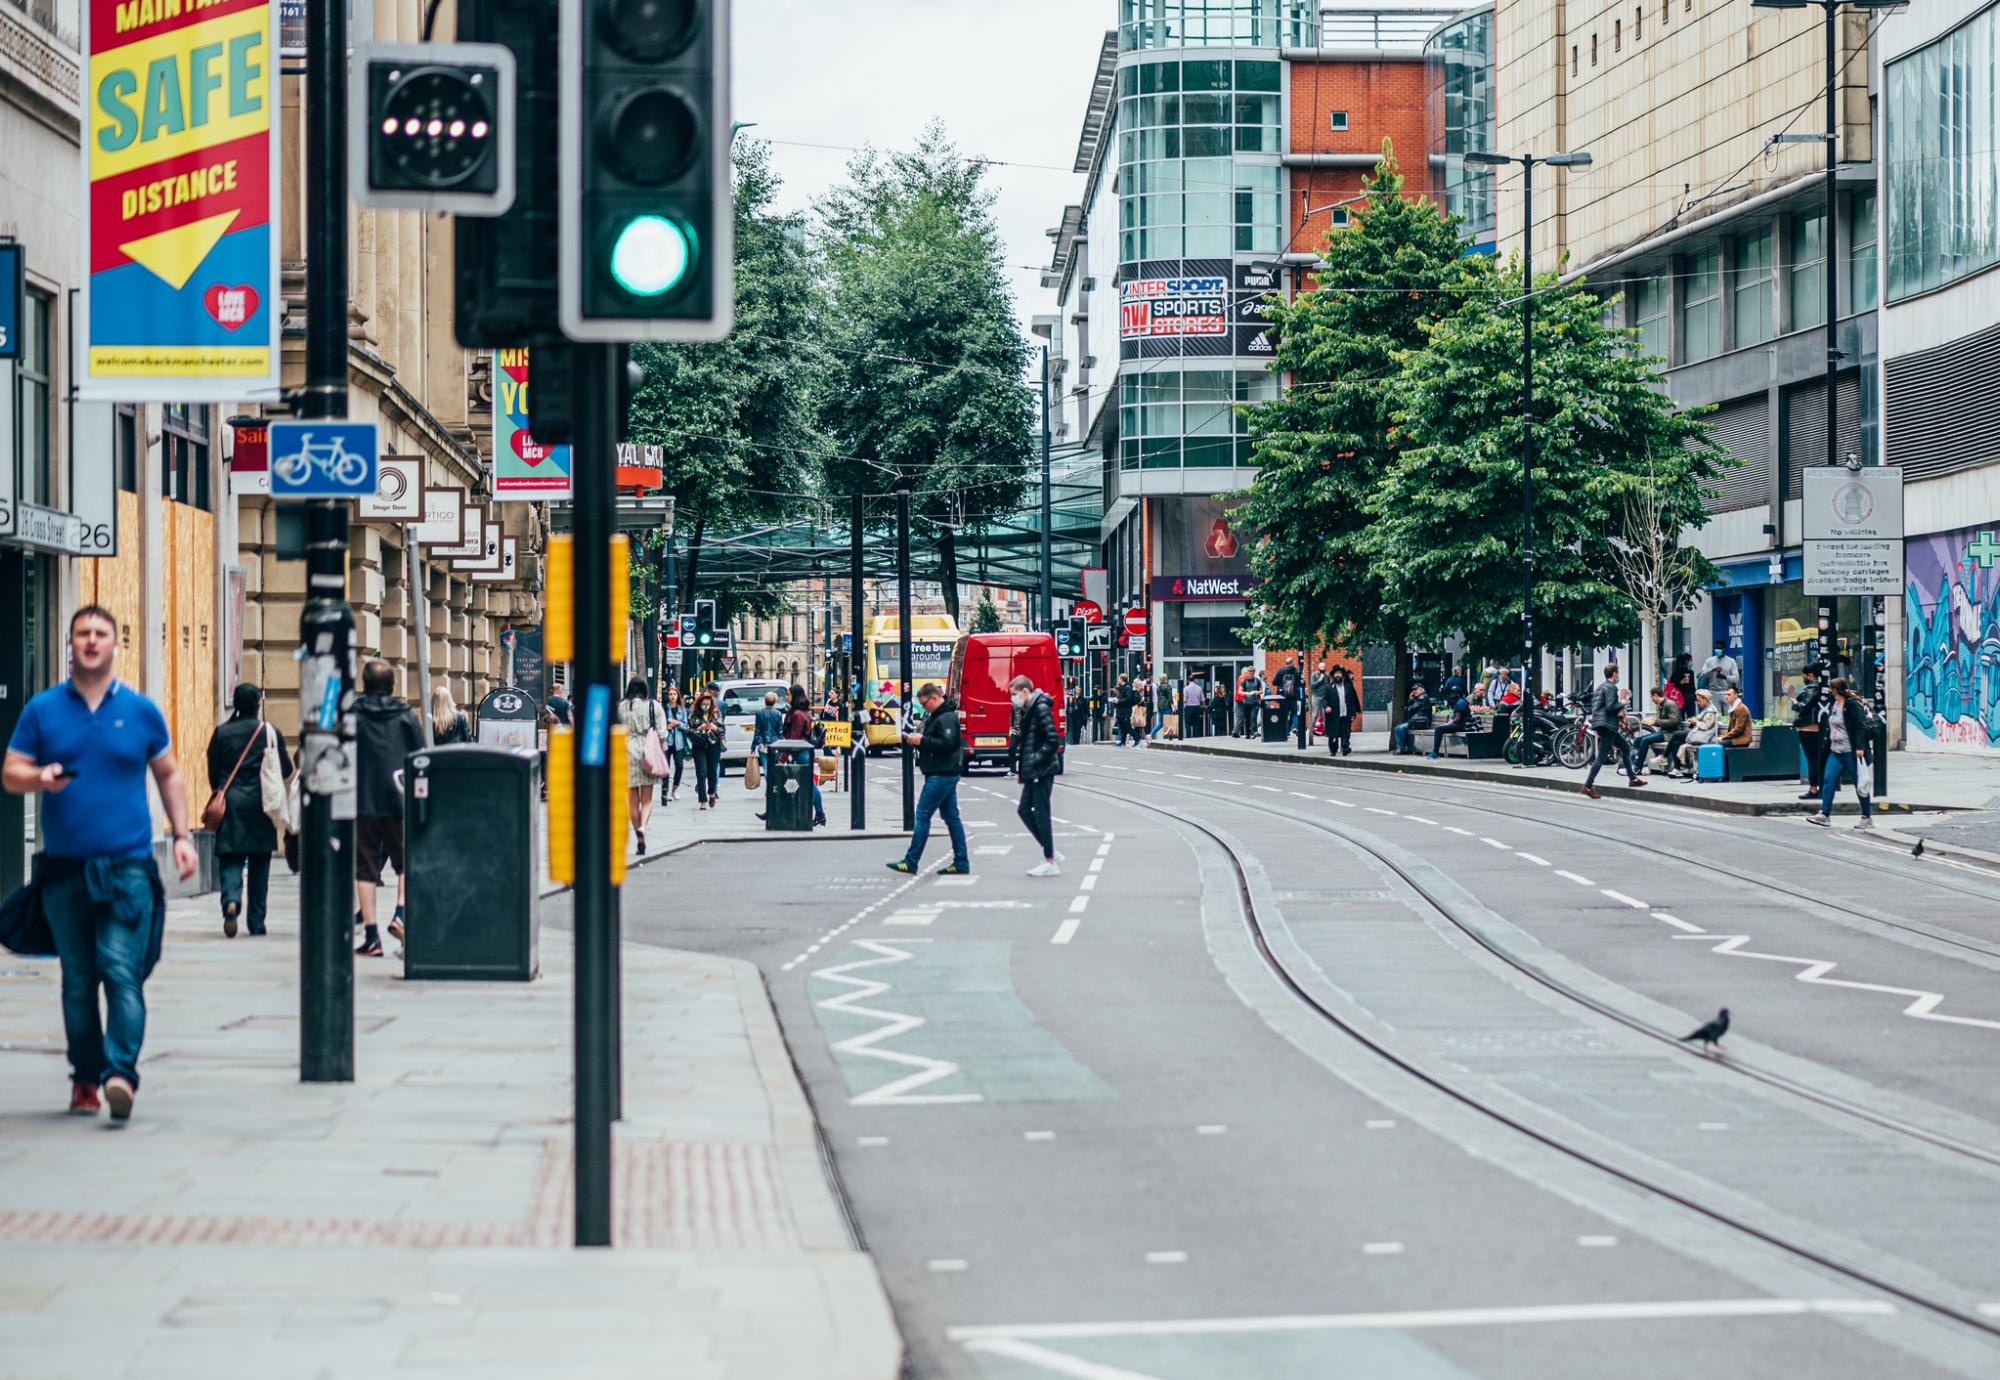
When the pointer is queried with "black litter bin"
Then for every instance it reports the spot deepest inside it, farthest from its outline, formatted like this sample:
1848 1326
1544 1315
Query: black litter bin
788 787
472 832
1276 719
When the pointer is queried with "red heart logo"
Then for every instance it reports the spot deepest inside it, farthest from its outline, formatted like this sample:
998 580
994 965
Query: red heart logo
230 306
530 450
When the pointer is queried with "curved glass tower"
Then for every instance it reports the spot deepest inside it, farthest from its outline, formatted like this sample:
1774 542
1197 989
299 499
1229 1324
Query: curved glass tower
1458 70
1201 126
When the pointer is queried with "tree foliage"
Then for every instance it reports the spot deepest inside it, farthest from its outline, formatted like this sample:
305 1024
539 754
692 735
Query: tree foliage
1448 534
986 616
1324 446
739 418
927 383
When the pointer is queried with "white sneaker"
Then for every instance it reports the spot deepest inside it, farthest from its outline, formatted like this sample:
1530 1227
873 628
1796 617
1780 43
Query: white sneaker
1864 824
1820 820
1045 869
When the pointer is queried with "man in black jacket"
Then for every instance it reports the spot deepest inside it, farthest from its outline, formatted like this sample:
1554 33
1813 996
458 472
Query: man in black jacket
1037 753
941 758
386 731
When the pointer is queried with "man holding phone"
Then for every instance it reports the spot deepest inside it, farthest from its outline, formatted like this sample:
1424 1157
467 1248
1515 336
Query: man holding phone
85 746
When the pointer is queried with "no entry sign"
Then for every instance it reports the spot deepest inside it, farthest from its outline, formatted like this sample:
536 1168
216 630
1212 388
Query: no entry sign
1135 622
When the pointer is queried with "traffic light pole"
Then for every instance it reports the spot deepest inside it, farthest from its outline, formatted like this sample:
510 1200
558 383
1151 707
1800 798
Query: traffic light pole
857 798
326 624
903 639
1048 508
596 903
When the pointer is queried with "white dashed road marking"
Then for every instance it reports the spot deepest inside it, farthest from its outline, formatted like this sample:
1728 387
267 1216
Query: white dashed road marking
1077 904
1596 1240
1383 1248
1530 857
1622 898
1066 931
1212 1129
1454 829
1380 1125
871 1140
1495 843
1677 923
1580 881
946 1267
1166 1257
1038 1135
1301 795
1377 810
1419 819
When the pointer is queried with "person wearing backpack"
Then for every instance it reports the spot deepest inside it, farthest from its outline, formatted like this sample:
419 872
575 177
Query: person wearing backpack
245 836
1811 705
941 758
645 754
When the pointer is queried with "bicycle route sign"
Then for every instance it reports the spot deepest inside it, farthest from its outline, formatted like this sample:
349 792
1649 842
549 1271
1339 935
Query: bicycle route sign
323 459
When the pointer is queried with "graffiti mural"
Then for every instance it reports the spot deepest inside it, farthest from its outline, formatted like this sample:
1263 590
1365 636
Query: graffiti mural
1951 607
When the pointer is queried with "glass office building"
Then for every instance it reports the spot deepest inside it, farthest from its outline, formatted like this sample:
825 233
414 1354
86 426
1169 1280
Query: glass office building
1458 70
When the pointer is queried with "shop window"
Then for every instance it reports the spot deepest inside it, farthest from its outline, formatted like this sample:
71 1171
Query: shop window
1649 316
1701 306
1806 250
35 368
1862 262
1753 287
185 454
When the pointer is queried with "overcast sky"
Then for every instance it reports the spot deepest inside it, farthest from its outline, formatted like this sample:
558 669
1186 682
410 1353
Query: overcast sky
1009 78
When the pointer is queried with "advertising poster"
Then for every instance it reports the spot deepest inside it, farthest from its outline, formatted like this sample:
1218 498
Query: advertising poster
524 470
1171 308
1951 620
180 301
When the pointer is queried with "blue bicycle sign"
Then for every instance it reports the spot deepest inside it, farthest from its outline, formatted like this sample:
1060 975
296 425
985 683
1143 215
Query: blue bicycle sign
323 459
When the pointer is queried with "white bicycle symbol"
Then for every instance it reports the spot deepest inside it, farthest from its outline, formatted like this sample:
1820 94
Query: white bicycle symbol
331 458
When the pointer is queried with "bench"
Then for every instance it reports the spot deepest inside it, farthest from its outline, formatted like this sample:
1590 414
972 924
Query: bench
1773 755
1478 745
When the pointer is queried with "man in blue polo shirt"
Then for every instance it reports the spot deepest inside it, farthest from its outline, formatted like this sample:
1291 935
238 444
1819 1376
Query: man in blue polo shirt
85 747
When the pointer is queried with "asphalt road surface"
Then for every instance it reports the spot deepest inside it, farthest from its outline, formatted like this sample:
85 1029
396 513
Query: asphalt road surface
1301 1072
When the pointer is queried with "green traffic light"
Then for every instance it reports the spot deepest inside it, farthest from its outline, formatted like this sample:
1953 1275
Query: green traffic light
650 256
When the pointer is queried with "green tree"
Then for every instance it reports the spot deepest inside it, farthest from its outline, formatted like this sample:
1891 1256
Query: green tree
738 419
1323 446
986 617
1448 531
927 388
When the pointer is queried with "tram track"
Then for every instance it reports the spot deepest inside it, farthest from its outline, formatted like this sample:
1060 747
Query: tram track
1706 863
1260 935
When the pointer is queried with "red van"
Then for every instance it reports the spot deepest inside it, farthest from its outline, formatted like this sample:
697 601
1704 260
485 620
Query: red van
981 669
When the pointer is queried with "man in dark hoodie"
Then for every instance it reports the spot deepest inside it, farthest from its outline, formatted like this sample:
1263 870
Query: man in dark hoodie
386 732
941 756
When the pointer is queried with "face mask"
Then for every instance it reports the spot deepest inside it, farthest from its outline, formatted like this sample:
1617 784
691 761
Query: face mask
1019 699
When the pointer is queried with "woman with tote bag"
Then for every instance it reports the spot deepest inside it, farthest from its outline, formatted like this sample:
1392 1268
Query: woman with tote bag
646 753
245 754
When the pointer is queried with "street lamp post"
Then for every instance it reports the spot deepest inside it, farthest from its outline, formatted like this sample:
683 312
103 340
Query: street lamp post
1829 241
1530 669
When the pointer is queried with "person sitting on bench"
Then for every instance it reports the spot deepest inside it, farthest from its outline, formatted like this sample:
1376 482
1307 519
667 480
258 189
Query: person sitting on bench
1460 722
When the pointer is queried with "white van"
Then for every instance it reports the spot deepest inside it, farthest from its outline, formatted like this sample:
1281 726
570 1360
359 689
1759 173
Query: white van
739 701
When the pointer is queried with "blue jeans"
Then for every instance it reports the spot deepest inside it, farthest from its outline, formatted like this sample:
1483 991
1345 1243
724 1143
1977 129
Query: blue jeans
805 759
258 866
940 796
1839 766
97 950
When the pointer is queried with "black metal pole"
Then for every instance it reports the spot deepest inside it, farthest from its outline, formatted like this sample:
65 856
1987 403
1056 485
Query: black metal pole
1832 238
1048 507
903 638
591 694
1530 671
1305 700
857 652
326 623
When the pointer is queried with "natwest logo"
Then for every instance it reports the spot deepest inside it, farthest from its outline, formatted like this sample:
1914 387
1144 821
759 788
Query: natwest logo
1221 543
1194 588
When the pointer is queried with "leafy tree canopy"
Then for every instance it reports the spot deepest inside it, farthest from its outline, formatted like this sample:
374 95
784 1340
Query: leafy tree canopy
1447 534
986 617
927 386
1323 447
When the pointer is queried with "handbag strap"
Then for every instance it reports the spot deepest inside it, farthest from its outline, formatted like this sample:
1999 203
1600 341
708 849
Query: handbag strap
247 742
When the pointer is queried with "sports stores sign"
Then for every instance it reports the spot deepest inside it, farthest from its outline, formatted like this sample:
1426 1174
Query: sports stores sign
1191 589
1176 308
180 303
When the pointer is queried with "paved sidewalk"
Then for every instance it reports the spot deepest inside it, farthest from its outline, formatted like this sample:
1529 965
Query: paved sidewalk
1917 780
415 1223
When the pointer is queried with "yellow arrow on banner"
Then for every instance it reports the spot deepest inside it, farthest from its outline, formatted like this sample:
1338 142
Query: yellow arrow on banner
173 255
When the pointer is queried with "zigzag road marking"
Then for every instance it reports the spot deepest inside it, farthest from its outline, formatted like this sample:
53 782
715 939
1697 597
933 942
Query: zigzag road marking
1814 970
900 1092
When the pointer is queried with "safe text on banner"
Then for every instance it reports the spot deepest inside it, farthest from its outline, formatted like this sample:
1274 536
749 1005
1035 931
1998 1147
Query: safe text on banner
180 300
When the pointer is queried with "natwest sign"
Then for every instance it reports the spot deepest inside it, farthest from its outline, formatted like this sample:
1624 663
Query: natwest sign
1194 588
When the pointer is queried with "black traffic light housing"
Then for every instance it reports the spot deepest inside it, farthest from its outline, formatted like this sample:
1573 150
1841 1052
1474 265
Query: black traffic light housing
432 127
704 622
1076 636
646 204
505 266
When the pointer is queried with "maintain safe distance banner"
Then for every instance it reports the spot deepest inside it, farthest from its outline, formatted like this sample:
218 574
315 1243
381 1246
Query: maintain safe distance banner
180 300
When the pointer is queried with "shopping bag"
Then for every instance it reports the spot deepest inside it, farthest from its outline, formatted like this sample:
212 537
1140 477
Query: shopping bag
753 773
654 757
1170 725
271 781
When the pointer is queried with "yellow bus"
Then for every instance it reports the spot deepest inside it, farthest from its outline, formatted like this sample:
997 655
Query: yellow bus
933 639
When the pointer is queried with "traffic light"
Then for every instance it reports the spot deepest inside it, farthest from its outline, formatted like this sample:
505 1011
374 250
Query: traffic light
504 267
1075 636
704 622
646 205
687 626
432 127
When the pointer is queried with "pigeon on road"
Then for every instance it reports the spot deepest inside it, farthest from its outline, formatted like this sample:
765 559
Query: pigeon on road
1918 851
1711 1034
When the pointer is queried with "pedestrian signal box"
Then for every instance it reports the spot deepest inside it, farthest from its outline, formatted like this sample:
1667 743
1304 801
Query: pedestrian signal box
432 127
